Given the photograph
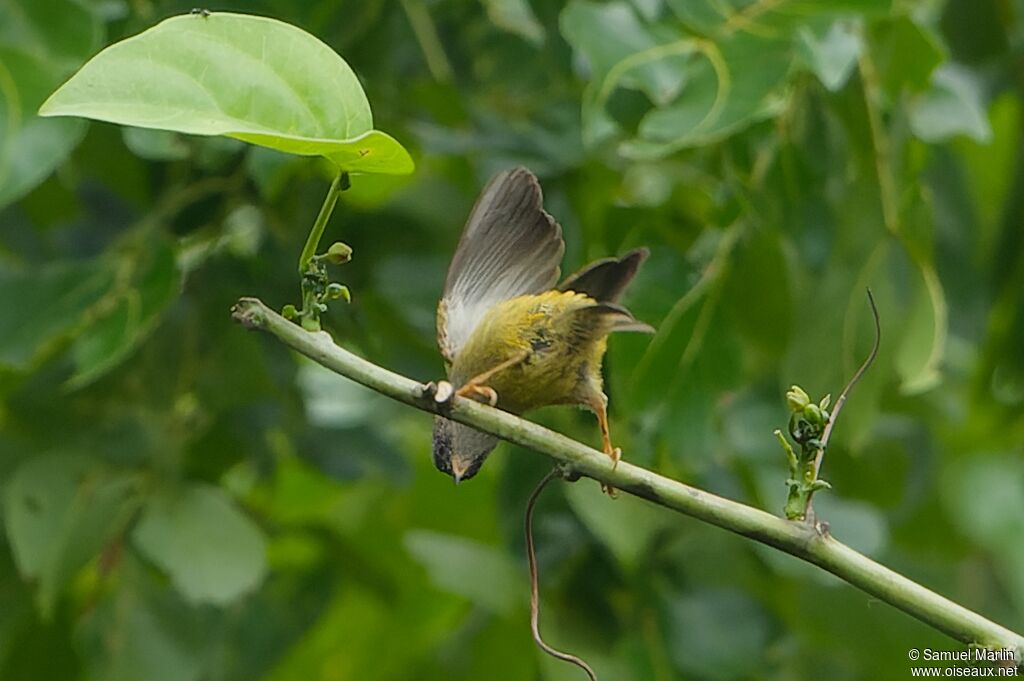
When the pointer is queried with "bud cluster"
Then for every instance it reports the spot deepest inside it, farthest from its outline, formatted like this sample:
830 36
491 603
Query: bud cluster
807 422
318 289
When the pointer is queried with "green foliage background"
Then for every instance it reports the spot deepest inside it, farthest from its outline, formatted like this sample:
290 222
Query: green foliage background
182 500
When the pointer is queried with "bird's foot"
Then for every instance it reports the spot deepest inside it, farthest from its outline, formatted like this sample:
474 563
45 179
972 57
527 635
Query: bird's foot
441 391
615 454
478 392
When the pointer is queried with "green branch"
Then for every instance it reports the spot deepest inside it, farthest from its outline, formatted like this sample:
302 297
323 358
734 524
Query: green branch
812 543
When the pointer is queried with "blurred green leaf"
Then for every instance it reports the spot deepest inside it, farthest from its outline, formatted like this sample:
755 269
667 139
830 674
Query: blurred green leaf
748 421
716 633
921 349
31 147
154 283
609 33
183 75
760 265
985 498
627 526
41 307
366 624
989 167
60 512
720 68
729 85
142 631
212 552
36 507
762 17
333 400
155 145
952 106
480 573
852 522
647 184
39 45
905 54
516 16
832 56
302 497
64 31
1010 561
620 52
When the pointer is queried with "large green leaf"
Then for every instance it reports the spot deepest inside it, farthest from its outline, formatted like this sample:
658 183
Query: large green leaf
716 633
920 353
39 308
731 85
953 105
516 16
252 78
143 630
621 52
708 71
905 53
213 552
832 54
136 308
765 17
479 572
759 264
60 511
40 44
985 498
627 527
608 34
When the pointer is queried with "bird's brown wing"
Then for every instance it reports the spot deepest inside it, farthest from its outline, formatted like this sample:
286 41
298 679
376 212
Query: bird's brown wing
510 247
604 280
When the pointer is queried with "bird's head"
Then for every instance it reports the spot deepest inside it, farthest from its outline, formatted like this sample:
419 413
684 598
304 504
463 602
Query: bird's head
460 450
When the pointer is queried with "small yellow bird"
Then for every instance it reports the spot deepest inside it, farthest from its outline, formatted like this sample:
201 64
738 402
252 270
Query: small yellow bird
508 335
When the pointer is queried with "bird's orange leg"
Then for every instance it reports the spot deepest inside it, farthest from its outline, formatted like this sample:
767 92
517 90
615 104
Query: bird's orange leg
476 386
600 407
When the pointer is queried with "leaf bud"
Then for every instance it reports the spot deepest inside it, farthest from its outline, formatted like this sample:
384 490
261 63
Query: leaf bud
338 254
797 399
814 416
336 290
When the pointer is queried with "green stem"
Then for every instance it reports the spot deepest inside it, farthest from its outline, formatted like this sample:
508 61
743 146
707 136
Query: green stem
880 140
340 184
430 42
812 543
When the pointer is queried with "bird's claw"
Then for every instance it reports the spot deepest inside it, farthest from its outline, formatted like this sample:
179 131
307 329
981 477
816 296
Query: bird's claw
476 391
441 391
615 454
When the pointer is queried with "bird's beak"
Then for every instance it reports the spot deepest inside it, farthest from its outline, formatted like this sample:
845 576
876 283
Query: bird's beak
458 470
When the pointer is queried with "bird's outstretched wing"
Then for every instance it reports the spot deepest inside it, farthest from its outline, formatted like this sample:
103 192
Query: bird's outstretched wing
510 247
604 280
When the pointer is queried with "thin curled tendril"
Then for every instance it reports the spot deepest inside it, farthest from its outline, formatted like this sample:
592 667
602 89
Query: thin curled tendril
531 558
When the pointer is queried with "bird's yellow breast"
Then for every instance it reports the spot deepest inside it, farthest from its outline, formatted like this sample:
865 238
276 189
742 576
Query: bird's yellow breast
563 348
